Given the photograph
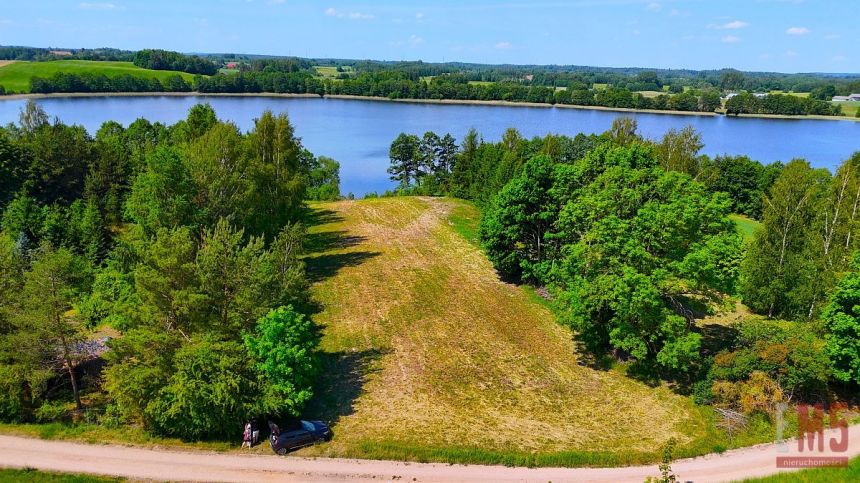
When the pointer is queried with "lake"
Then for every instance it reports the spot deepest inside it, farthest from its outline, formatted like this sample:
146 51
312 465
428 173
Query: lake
358 132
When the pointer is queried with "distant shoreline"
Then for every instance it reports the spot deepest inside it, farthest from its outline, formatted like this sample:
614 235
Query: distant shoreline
61 95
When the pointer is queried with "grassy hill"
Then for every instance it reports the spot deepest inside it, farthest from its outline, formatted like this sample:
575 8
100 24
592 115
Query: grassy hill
15 76
429 356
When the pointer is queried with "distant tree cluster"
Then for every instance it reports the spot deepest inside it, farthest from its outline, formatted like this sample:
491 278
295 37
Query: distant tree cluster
185 239
86 82
167 60
261 81
43 54
784 104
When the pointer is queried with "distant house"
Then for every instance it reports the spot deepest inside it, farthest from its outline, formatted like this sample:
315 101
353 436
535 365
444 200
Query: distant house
232 65
852 97
61 53
756 94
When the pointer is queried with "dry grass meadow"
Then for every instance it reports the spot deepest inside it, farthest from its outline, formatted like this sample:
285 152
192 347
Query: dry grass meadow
430 355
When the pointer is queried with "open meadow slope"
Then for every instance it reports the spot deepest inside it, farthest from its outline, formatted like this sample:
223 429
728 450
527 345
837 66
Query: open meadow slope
15 76
430 356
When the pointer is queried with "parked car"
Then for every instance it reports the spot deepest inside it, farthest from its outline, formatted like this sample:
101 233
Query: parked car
305 433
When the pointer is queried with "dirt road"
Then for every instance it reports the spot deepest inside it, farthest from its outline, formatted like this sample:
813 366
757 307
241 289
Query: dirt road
158 464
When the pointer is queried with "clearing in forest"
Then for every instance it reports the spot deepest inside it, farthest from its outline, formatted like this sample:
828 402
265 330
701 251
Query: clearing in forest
430 356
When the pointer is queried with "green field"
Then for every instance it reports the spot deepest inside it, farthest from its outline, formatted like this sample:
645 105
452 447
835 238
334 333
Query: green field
849 108
796 94
330 72
15 77
746 226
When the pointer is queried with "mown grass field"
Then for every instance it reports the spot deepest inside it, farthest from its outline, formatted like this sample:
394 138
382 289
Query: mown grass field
15 77
430 357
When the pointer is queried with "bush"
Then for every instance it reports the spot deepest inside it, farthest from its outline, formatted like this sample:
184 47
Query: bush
12 408
51 411
284 349
790 355
210 394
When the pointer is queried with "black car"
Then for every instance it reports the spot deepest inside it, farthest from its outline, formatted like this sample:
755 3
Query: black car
304 433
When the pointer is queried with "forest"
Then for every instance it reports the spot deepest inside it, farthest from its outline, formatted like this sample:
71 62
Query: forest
632 242
132 258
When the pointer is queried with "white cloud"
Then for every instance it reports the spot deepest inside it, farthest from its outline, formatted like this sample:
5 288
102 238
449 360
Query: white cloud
415 40
839 58
735 24
789 53
832 36
730 39
797 31
97 6
333 12
419 16
276 2
503 45
654 7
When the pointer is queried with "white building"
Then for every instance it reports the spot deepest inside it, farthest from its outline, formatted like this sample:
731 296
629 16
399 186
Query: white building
852 97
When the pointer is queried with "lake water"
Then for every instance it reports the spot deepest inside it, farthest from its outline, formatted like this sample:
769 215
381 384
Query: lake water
358 132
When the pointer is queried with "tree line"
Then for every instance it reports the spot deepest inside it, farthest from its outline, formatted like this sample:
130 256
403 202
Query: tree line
395 85
167 60
633 240
45 54
159 250
91 82
783 104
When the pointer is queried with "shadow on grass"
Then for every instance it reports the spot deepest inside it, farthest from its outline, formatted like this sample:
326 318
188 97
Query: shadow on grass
340 383
322 267
320 216
331 240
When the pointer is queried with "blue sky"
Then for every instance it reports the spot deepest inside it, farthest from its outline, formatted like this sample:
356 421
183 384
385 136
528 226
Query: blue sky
778 35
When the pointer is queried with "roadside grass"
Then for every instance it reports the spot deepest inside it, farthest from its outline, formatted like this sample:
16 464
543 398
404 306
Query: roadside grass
100 434
816 475
599 87
32 475
480 83
430 357
746 226
15 77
